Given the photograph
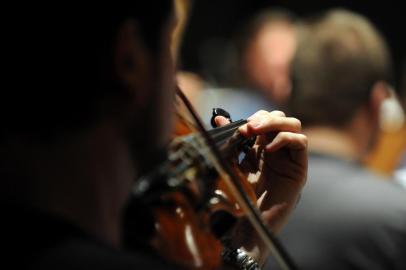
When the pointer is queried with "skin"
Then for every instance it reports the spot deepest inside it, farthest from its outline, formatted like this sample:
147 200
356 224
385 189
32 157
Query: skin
276 168
267 60
85 177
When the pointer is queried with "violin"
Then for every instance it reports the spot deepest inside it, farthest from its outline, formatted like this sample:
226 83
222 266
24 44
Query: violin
198 192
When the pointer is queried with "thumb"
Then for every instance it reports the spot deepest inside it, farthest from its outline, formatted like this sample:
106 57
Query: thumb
221 121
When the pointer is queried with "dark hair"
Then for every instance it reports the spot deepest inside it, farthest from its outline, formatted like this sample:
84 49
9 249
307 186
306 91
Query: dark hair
339 58
58 63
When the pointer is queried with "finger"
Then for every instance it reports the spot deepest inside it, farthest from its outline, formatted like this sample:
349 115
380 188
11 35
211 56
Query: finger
262 113
289 140
270 123
259 113
256 117
244 129
277 113
221 121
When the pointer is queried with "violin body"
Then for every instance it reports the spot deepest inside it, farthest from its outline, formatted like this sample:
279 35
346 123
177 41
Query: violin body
195 196
183 230
184 238
191 206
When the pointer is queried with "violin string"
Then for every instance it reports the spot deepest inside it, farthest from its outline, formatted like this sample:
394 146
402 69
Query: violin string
199 144
220 136
232 125
224 135
232 181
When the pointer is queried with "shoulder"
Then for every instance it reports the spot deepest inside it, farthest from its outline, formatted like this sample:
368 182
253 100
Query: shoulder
78 254
353 216
36 240
346 189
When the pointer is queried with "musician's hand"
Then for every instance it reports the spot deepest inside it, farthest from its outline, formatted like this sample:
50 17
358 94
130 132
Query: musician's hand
276 166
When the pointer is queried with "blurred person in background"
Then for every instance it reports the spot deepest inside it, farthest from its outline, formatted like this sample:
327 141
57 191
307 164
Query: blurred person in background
348 218
266 52
259 61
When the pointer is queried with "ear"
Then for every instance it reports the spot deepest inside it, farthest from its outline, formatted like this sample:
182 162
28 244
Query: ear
392 115
132 61
388 109
379 92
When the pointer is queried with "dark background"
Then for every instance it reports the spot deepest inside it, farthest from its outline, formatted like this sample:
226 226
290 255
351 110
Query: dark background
220 20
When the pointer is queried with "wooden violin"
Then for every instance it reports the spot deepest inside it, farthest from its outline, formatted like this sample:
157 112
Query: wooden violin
198 191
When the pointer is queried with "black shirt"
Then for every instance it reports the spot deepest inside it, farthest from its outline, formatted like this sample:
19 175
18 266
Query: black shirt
33 240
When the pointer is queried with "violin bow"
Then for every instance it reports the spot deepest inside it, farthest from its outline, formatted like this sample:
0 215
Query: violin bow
273 244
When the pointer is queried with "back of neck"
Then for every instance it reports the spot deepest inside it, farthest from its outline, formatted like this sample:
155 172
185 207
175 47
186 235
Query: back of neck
334 142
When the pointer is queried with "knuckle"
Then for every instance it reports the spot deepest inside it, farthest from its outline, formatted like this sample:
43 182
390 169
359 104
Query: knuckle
286 136
296 123
274 120
279 113
258 115
262 112
304 139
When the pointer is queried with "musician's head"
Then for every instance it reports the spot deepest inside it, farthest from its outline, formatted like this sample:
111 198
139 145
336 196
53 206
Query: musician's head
268 47
340 73
70 68
89 96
